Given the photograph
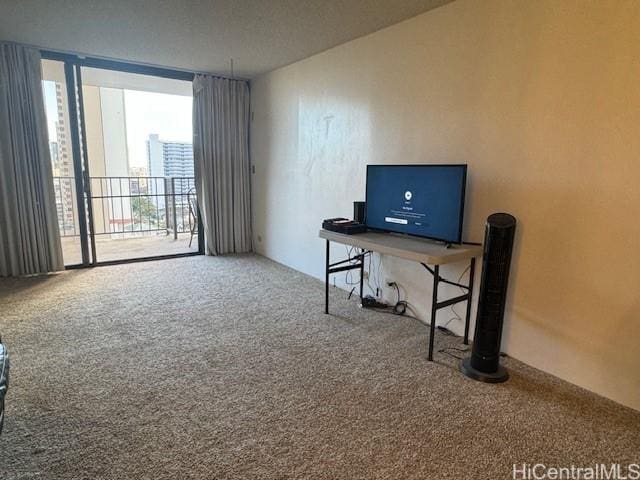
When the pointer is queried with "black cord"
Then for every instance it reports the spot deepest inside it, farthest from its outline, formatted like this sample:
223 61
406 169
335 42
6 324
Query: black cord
463 350
446 352
394 284
400 308
389 311
441 279
348 278
450 354
446 331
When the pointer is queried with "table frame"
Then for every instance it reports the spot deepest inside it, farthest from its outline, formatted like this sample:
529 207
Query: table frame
345 265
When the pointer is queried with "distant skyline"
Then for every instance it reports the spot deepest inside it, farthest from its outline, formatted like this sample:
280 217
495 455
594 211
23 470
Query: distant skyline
168 116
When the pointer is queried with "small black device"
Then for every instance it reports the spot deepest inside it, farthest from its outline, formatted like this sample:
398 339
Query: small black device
358 212
343 225
371 302
4 379
422 199
484 363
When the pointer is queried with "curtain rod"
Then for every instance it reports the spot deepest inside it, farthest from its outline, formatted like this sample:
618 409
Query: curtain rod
98 61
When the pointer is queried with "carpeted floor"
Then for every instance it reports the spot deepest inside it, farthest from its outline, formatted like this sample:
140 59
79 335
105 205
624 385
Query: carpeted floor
226 368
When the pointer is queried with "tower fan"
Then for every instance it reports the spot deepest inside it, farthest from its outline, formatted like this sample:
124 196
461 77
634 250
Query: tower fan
484 363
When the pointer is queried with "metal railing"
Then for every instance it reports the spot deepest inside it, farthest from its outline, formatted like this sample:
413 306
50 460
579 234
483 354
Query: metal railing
130 206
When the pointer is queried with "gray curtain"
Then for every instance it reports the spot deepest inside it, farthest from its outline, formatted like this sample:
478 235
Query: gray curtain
222 168
29 241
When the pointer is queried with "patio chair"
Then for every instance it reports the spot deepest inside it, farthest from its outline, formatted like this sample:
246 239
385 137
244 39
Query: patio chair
192 200
4 379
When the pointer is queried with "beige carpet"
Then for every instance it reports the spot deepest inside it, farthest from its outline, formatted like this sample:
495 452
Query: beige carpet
220 368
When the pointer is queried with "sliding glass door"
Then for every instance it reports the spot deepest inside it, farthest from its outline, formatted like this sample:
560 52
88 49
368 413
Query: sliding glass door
61 106
122 161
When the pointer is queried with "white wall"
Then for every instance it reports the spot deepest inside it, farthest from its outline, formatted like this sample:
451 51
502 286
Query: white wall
542 100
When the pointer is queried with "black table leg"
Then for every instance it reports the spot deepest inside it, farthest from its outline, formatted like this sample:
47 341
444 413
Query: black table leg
326 280
472 269
361 275
434 309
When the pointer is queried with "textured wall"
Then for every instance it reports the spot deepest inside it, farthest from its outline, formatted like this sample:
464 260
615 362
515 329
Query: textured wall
541 99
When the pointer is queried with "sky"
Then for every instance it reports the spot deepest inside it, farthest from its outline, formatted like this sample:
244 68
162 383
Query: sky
51 107
169 116
146 112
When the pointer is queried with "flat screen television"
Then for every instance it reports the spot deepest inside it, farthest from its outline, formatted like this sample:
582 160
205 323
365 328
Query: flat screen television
422 200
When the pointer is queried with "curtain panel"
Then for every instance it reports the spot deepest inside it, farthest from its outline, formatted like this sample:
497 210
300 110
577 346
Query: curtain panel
29 239
222 165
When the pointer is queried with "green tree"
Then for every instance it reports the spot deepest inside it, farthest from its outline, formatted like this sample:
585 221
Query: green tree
144 210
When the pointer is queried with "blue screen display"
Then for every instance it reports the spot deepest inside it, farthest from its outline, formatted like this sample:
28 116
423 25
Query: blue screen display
424 200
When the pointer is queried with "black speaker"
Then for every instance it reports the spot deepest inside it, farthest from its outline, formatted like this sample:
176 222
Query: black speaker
484 363
358 212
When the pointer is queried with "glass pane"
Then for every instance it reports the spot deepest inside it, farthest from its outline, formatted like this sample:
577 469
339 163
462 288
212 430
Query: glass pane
57 111
140 156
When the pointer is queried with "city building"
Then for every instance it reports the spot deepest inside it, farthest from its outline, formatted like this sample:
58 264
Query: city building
107 155
53 152
139 180
62 166
172 173
169 159
106 136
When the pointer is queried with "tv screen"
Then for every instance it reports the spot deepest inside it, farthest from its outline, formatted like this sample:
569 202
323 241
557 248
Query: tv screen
423 200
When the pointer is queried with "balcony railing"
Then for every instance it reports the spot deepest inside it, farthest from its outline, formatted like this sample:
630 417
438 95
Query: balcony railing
130 206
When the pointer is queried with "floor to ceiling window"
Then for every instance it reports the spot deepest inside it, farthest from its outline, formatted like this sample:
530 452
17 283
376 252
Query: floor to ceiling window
122 163
60 147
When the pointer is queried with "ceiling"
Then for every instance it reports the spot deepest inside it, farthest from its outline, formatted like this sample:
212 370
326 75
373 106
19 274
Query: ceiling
199 35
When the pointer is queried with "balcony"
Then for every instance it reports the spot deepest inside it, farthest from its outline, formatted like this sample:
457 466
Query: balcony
133 217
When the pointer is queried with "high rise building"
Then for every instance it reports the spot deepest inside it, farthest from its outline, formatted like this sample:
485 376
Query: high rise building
106 138
169 159
178 159
63 166
105 121
53 152
173 162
